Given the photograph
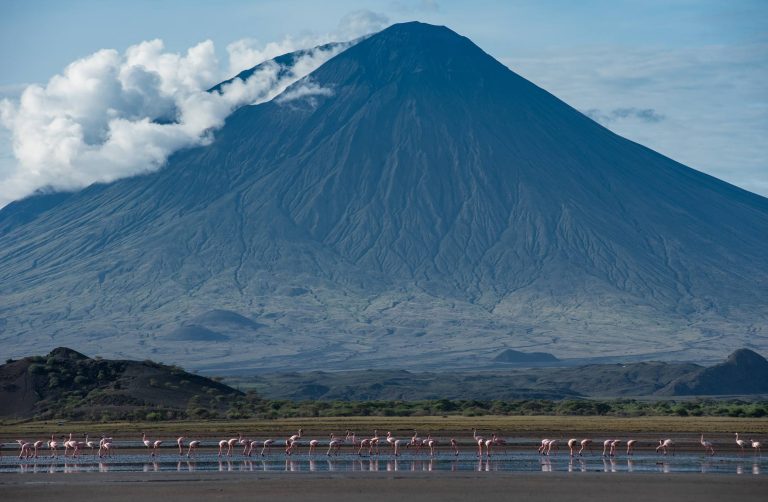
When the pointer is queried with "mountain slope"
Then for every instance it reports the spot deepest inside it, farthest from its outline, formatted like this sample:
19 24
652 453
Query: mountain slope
410 191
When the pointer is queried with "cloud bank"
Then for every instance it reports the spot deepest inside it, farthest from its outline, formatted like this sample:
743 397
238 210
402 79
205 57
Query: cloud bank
113 115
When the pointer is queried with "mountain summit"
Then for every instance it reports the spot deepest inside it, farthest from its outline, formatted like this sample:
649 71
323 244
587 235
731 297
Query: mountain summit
412 191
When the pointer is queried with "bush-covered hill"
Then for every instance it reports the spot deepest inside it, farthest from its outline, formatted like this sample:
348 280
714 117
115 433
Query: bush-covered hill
68 384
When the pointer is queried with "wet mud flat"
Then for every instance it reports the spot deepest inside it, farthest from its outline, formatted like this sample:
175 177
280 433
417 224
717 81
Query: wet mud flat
373 486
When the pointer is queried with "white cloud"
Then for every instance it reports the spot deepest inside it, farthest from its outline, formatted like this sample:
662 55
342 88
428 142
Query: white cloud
112 115
305 89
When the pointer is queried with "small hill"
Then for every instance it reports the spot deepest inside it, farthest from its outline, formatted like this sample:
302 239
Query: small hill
68 384
744 372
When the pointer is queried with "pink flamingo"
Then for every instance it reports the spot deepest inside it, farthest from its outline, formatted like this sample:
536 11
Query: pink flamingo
757 445
614 444
155 446
90 444
180 442
740 442
53 445
553 444
37 445
334 445
267 446
489 445
391 441
607 447
313 444
455 446
375 442
572 445
105 447
708 447
146 442
363 444
232 442
222 444
24 448
631 446
666 444
585 443
543 447
480 440
192 448
433 446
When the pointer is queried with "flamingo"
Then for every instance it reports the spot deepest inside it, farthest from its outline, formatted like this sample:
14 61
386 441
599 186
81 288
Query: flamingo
144 440
489 444
267 446
552 444
232 442
155 446
740 442
350 436
480 441
222 444
544 444
36 445
364 443
757 445
415 441
106 444
375 442
90 444
572 445
24 448
53 445
665 444
708 448
291 442
69 444
614 444
607 447
180 442
631 446
455 446
192 447
584 444
391 440
313 444
249 446
432 443
334 445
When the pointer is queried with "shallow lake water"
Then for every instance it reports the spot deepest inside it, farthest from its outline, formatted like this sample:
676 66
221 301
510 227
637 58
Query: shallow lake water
319 462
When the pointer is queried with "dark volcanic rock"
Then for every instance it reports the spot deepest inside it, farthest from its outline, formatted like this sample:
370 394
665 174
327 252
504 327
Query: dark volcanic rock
428 191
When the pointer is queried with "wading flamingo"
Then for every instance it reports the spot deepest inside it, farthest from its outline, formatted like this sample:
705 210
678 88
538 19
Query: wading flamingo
267 446
192 448
740 442
708 448
334 445
631 446
455 446
585 443
757 445
666 444
180 442
572 445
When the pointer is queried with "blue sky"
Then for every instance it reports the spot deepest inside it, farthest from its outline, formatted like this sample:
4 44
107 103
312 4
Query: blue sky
686 78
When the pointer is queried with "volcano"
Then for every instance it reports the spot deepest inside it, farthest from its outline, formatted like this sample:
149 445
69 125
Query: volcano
411 203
